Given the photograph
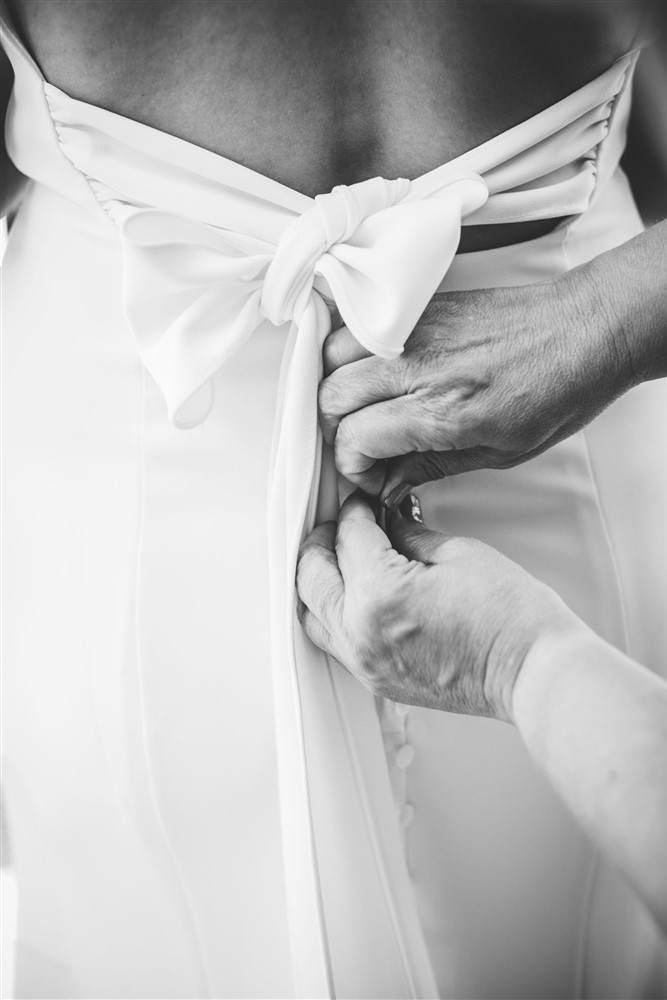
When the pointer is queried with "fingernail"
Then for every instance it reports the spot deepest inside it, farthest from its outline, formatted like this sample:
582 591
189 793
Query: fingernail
395 496
411 509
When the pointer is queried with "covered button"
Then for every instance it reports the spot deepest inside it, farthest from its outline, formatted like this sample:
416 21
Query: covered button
404 756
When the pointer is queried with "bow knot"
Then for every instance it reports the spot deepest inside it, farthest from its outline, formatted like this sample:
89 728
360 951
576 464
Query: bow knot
332 219
195 292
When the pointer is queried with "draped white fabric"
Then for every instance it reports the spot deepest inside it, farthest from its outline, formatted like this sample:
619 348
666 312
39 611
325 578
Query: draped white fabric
214 254
194 293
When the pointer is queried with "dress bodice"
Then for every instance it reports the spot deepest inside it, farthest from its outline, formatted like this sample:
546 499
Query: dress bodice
212 251
548 167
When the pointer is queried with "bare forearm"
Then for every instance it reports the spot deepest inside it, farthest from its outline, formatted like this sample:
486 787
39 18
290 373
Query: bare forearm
596 723
631 286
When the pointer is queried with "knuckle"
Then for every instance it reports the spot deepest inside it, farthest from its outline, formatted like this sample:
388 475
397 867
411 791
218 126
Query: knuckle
310 553
328 398
305 566
431 426
305 552
453 416
367 666
348 451
381 623
345 532
331 351
321 536
424 358
378 611
430 422
346 435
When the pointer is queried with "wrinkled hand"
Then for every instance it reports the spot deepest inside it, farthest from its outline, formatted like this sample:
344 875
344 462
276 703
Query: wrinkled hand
488 379
421 617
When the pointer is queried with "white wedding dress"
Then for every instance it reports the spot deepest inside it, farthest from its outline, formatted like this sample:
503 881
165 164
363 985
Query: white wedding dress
199 804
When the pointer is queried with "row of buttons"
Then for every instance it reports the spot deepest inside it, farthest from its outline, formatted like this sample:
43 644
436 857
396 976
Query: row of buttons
393 720
403 757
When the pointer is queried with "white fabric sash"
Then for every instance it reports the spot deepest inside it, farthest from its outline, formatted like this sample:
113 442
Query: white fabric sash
223 249
193 294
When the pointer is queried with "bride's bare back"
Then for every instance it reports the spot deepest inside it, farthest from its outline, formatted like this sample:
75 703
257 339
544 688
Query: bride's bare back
315 94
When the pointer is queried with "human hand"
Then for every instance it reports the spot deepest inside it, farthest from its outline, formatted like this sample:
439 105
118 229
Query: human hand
488 379
421 617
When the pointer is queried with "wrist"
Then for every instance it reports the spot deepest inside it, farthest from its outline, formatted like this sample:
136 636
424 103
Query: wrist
542 627
611 349
629 286
549 667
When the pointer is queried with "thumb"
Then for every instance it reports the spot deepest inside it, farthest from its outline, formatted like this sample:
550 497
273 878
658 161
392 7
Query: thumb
417 468
370 480
410 536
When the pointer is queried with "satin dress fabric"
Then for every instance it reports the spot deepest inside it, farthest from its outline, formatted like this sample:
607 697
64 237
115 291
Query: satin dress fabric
201 804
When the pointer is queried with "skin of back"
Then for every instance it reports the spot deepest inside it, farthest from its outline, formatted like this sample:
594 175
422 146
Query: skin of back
319 94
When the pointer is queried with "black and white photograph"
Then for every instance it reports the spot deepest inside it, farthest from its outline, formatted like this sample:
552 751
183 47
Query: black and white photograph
334 499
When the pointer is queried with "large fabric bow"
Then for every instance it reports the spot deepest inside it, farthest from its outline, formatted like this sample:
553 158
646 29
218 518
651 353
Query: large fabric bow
195 292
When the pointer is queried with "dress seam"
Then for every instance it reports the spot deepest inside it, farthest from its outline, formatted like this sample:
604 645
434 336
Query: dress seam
180 880
87 179
613 110
582 964
377 853
607 536
594 863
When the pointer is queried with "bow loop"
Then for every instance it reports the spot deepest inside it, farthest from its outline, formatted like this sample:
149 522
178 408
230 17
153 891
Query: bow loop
384 275
191 294
194 293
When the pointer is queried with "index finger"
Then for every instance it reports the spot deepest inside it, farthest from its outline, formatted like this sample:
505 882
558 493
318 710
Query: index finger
341 348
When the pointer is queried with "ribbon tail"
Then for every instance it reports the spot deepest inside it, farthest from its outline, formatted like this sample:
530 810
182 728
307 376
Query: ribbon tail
353 924
289 499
